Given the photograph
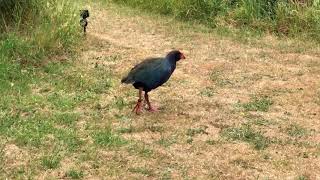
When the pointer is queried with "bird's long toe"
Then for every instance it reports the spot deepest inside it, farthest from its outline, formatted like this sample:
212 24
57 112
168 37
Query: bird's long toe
152 109
138 108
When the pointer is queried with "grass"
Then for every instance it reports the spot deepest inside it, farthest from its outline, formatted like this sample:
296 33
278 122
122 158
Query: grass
50 162
167 142
64 117
194 131
74 174
258 104
217 77
141 170
208 92
107 138
247 134
283 18
141 150
295 130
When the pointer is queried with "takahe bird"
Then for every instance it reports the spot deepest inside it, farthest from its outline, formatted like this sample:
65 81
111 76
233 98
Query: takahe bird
150 74
84 14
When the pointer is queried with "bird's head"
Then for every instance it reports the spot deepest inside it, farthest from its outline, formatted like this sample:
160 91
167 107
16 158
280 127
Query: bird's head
175 55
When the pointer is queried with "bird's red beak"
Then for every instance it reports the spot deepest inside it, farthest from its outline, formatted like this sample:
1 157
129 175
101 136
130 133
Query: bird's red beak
182 56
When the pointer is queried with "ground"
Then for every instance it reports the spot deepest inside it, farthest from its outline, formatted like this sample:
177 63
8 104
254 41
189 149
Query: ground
233 109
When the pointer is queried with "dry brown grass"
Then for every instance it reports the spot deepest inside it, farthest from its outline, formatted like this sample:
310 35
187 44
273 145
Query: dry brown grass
205 96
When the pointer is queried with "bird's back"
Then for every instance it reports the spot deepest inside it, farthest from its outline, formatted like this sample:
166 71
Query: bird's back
151 73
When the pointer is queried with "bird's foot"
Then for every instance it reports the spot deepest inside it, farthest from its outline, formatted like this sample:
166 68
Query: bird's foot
152 109
137 109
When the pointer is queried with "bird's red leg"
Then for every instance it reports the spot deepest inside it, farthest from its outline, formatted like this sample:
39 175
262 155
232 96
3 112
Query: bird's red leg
138 106
150 107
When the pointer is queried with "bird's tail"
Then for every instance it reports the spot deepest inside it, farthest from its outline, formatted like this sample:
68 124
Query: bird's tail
125 80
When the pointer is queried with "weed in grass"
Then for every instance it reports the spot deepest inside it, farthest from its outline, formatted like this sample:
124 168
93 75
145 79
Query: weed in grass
304 155
69 138
122 117
189 140
19 173
102 85
141 150
141 170
212 142
217 77
266 156
242 163
112 58
302 177
167 142
31 131
66 118
295 130
62 101
258 104
247 134
74 174
208 92
194 131
51 162
119 103
260 121
155 128
107 138
166 174
125 130
55 68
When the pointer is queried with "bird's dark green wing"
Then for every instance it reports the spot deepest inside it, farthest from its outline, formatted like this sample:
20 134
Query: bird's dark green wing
140 70
151 73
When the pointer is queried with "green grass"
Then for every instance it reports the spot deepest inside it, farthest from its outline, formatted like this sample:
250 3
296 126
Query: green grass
302 177
167 142
107 138
140 150
212 142
50 162
259 121
141 170
66 118
74 174
282 18
242 163
247 134
194 131
258 104
218 78
29 35
295 130
125 130
208 92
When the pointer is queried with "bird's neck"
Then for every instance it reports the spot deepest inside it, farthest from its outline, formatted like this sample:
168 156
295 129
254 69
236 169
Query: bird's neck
171 60
172 63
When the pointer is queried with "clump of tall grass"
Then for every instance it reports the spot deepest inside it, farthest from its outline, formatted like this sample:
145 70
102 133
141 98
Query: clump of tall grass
31 30
294 18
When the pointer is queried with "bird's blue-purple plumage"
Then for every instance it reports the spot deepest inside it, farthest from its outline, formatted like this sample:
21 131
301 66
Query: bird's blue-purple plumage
152 72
